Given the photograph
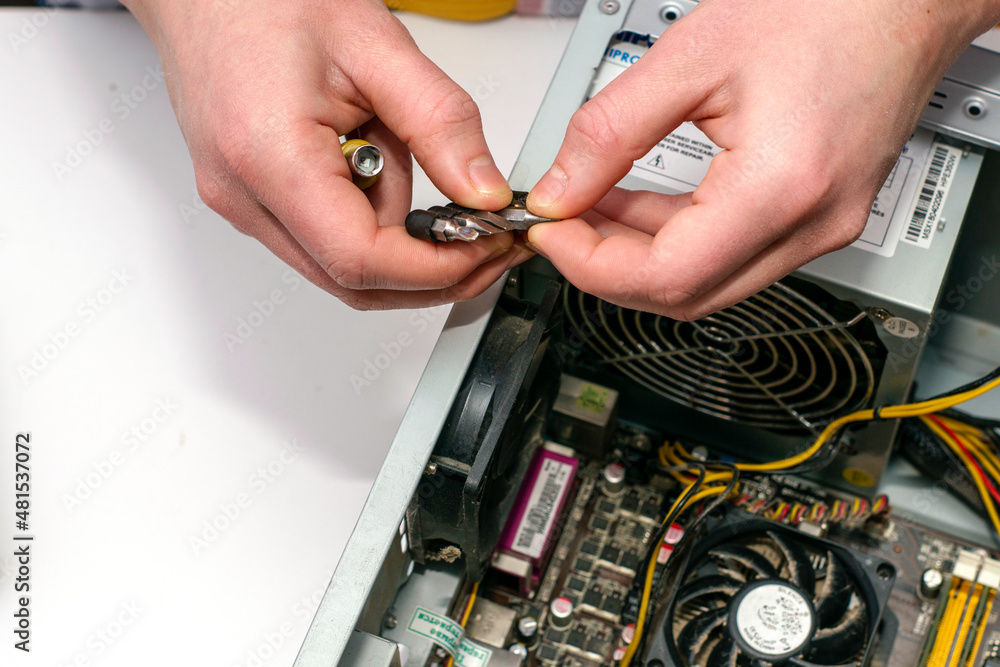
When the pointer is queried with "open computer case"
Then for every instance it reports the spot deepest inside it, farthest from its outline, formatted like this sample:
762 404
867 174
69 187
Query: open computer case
536 378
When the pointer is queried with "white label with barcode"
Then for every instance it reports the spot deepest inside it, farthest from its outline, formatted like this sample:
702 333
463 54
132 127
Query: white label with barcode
551 484
937 180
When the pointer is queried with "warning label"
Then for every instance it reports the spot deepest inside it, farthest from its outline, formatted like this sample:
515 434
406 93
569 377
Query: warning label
680 161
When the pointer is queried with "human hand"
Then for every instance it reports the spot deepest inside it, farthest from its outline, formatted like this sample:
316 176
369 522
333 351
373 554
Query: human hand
812 105
262 91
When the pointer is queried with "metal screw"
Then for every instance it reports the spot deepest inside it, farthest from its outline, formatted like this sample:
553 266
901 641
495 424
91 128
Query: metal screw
431 468
610 6
390 620
879 313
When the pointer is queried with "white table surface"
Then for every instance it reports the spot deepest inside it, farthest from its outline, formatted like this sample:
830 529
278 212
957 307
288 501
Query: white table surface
127 297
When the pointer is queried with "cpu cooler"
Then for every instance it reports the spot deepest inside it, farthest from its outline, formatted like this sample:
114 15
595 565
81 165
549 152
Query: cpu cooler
756 593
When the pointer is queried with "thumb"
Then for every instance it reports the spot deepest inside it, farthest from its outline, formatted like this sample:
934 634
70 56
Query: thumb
609 132
440 123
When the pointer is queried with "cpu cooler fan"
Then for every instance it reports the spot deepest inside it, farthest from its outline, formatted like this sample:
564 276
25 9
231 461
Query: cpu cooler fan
756 594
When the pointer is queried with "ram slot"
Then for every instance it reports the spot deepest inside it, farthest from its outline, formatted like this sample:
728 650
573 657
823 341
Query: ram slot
935 623
970 618
949 624
972 649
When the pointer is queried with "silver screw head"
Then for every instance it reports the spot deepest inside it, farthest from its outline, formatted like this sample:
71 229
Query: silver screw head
610 6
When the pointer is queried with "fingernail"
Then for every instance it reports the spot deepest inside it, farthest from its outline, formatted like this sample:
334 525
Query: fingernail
486 177
503 244
552 186
530 247
518 255
525 247
534 232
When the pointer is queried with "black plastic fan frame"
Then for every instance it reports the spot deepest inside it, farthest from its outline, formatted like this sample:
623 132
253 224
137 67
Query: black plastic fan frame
726 539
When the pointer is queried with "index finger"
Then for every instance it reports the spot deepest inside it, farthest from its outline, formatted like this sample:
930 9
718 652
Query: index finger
732 218
307 185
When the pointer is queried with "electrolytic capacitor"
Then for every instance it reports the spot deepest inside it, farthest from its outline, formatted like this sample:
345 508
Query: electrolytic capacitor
520 650
613 479
561 613
527 629
931 581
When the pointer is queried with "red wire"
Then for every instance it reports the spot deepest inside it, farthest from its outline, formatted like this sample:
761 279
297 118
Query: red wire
975 464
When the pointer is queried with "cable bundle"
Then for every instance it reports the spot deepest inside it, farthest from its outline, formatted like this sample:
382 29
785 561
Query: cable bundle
719 480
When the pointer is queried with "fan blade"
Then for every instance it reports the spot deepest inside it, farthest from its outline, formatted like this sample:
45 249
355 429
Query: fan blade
724 654
800 568
833 646
708 585
748 558
693 636
799 662
834 594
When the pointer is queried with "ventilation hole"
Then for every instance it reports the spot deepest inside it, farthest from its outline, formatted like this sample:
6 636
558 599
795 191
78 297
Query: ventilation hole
935 105
938 93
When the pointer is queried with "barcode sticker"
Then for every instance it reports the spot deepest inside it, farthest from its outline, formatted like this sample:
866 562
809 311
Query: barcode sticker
551 485
938 177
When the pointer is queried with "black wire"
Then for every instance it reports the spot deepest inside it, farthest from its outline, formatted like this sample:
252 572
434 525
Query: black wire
983 423
975 384
689 530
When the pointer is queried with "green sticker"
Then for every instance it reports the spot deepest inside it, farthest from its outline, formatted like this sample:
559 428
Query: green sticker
472 655
592 398
439 629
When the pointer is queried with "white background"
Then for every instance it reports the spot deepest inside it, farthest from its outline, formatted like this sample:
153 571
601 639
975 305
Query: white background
113 516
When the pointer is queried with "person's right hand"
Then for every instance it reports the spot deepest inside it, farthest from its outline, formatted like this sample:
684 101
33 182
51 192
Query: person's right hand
263 90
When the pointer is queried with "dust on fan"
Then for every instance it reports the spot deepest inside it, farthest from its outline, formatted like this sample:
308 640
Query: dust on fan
778 360
767 598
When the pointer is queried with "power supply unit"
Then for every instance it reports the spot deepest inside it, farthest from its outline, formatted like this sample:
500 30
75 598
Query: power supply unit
509 520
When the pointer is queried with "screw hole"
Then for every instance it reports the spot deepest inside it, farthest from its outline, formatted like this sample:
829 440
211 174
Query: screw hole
974 108
885 571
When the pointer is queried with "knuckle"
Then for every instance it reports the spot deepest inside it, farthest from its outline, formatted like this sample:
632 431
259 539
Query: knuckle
213 190
846 231
808 187
463 291
454 108
349 272
593 123
358 301
678 300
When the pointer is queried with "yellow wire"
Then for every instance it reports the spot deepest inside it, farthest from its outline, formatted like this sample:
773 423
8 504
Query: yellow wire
651 569
987 499
888 412
986 458
466 614
980 447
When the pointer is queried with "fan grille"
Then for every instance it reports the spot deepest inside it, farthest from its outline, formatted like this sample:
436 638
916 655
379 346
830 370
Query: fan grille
776 360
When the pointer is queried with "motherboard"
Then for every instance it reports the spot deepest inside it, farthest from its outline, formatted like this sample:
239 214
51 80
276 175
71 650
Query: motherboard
785 571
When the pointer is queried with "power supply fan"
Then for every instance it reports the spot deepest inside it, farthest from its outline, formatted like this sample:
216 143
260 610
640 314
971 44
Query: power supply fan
786 359
769 595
